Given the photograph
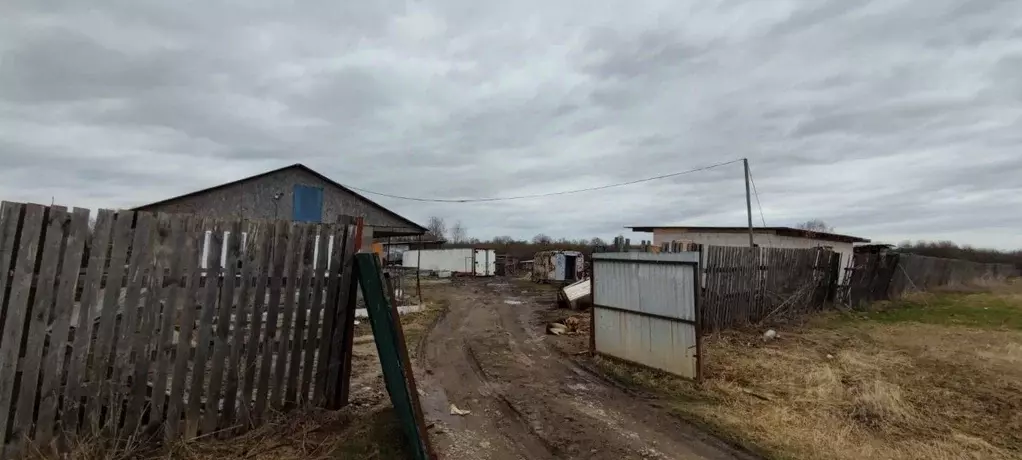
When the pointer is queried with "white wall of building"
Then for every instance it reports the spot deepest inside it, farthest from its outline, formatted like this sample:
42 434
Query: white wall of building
763 240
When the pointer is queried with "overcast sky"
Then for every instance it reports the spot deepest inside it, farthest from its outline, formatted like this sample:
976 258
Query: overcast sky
890 120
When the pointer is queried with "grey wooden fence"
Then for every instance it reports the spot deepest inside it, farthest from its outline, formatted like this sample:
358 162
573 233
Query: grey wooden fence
121 328
743 285
888 275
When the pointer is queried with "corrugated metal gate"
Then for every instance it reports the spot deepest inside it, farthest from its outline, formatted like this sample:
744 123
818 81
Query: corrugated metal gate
645 309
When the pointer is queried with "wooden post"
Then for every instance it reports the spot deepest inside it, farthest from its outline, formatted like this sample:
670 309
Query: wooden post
748 201
418 270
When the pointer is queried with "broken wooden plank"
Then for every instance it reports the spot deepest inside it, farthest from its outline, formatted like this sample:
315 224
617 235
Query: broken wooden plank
223 329
53 362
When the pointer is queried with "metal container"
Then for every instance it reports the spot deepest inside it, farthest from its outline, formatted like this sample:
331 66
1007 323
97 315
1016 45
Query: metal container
471 261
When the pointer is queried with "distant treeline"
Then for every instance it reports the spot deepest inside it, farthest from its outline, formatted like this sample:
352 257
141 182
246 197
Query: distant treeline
950 250
525 249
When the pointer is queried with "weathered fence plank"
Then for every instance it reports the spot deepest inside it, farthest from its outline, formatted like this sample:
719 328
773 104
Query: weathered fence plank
282 235
266 236
298 343
320 392
10 221
53 361
345 322
142 343
54 225
223 328
16 307
249 268
206 315
74 392
312 343
141 257
174 287
99 392
294 258
186 327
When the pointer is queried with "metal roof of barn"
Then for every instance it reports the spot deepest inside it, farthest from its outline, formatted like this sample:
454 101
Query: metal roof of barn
783 231
297 166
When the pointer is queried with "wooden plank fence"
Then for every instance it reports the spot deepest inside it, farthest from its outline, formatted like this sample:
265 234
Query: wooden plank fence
884 276
121 329
745 285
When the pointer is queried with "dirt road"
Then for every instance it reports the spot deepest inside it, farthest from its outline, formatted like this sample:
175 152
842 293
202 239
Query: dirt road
489 355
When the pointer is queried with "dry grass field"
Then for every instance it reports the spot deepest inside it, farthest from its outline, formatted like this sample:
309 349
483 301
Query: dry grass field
931 376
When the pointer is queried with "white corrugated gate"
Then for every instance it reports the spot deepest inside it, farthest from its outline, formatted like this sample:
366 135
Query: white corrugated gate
645 309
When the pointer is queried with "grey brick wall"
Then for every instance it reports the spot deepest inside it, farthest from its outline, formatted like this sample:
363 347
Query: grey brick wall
254 200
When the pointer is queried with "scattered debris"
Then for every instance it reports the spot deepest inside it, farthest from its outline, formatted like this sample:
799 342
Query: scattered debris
770 335
401 310
512 302
830 356
571 325
456 411
576 296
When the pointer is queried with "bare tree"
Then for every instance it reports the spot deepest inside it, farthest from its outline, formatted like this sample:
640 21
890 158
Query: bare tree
597 241
542 239
502 240
437 227
816 225
458 233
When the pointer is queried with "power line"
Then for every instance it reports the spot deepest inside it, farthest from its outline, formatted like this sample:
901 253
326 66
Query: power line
756 193
540 195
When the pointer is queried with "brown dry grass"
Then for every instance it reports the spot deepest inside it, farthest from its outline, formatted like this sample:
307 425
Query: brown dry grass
904 387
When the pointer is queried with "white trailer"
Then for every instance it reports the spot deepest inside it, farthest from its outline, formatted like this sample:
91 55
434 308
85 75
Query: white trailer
478 262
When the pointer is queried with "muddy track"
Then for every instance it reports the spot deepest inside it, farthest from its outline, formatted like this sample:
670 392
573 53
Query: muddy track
528 400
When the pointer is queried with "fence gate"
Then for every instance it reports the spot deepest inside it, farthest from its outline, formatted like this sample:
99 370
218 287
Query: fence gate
645 309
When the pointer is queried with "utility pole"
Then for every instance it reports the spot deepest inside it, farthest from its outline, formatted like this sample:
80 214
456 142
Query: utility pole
748 201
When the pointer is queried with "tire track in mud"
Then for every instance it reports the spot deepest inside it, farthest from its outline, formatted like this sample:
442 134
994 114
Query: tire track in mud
529 399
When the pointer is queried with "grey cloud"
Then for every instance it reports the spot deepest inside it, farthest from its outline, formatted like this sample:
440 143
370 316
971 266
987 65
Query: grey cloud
887 119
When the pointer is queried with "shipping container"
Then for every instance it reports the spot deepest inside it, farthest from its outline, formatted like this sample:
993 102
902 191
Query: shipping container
469 261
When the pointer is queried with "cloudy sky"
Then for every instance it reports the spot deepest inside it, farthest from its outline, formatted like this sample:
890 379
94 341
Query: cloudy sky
889 119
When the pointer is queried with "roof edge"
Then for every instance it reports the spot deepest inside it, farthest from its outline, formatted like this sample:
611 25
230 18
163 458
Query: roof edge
786 231
298 166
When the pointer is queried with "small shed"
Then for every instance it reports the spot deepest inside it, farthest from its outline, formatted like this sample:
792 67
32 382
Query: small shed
558 266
